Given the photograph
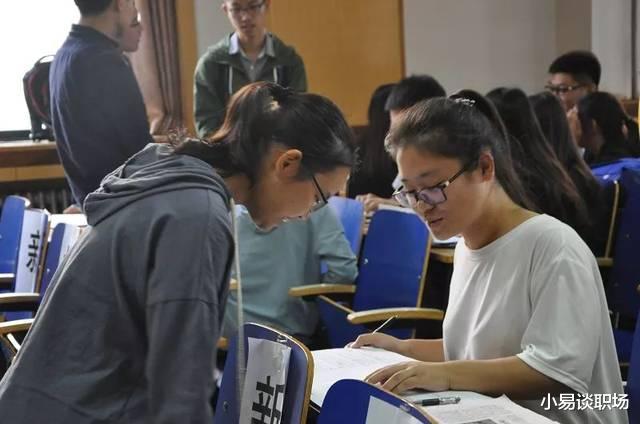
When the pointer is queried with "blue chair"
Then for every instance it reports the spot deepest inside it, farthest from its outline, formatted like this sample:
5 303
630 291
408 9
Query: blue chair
351 215
299 378
390 282
624 275
633 378
347 401
13 208
23 305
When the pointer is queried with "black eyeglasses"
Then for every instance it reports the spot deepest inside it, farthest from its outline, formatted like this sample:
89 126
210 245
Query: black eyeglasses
323 199
430 195
252 9
562 89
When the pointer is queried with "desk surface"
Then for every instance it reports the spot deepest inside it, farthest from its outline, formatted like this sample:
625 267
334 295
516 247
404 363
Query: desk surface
28 160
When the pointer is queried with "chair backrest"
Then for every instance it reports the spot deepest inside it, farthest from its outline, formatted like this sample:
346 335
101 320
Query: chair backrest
11 217
352 401
633 377
394 262
613 170
622 291
299 378
351 215
62 239
615 205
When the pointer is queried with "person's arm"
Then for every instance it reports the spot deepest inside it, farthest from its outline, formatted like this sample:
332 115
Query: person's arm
333 248
185 298
510 376
208 106
298 79
372 202
420 350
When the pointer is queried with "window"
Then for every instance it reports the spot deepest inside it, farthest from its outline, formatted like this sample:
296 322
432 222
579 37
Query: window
29 29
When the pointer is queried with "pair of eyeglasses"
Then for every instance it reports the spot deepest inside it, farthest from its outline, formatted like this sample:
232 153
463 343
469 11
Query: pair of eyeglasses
432 196
252 9
322 201
561 89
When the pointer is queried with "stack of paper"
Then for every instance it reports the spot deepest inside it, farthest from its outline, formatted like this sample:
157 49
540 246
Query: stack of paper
332 365
485 411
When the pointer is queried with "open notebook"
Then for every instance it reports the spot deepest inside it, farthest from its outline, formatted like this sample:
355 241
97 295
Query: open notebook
332 365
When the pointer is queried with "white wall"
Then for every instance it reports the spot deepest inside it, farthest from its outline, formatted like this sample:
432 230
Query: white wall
611 42
211 23
481 44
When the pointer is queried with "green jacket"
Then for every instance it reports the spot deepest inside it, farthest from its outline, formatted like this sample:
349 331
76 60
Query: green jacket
216 66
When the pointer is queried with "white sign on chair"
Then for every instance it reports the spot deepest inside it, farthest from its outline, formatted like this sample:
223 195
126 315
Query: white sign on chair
32 239
265 381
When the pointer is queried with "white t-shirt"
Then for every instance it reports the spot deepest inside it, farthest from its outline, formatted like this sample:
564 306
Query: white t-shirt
536 292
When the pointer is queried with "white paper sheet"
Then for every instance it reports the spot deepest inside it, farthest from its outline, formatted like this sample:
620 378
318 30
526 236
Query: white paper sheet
332 365
486 411
32 238
265 381
380 412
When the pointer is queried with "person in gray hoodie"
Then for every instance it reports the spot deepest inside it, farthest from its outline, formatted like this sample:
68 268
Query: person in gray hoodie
127 330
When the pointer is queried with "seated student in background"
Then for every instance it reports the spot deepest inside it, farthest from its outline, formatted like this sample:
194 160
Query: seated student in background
548 184
404 94
128 330
249 54
272 261
527 314
375 170
555 127
98 114
572 76
607 132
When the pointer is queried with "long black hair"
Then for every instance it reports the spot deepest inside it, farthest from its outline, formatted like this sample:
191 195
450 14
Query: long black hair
606 111
264 114
548 183
554 125
460 127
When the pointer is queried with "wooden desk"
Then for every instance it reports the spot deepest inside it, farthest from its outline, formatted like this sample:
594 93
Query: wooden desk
28 161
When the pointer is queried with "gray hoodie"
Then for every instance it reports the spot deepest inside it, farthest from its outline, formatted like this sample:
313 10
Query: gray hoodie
128 328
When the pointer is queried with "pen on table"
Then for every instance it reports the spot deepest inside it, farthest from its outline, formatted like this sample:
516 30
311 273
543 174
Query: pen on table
384 324
438 401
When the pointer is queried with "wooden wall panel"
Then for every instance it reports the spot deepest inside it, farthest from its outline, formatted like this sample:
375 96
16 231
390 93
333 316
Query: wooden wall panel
349 47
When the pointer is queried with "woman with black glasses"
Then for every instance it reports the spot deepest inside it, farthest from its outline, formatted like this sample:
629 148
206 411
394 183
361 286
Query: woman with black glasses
128 329
527 315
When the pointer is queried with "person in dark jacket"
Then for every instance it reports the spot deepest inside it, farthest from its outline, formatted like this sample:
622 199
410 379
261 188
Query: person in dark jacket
128 328
249 54
98 114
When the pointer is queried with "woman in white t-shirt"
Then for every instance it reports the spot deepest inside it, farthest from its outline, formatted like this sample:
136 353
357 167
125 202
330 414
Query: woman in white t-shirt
527 316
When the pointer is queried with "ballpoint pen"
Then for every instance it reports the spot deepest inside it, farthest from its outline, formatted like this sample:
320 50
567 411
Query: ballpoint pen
384 324
450 400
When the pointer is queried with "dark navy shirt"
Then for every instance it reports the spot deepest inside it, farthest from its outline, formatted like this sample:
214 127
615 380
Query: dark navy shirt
98 113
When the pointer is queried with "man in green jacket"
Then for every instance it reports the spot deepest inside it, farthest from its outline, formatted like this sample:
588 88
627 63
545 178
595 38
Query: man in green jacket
247 55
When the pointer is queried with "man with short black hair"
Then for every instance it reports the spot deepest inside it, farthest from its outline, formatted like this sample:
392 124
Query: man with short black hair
251 53
409 91
406 93
98 113
573 75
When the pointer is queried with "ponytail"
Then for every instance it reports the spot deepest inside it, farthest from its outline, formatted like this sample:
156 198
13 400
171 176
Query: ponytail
262 115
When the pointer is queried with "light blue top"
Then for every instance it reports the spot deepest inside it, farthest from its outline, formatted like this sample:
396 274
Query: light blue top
290 255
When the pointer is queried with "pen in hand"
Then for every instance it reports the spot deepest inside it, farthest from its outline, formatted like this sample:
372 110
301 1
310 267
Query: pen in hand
438 401
384 324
